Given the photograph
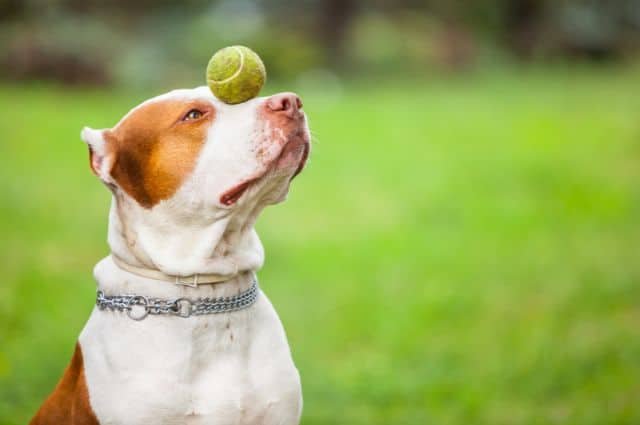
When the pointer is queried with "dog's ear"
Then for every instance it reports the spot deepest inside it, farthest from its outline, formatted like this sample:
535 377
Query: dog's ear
99 159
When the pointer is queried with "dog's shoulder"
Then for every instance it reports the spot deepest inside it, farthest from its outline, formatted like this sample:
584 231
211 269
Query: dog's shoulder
69 402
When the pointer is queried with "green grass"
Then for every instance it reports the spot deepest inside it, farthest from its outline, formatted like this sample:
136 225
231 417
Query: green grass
461 251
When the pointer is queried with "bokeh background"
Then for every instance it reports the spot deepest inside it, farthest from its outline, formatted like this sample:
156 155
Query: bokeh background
463 247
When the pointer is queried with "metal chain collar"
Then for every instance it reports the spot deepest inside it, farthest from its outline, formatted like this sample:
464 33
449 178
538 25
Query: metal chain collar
138 307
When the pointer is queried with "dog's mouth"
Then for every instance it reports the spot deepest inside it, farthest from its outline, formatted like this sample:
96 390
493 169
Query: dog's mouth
232 195
291 151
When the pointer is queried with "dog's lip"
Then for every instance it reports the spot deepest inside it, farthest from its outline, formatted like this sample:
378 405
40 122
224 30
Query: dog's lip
232 195
303 161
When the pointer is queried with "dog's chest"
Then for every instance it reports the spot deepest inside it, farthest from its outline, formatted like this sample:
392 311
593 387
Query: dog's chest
219 369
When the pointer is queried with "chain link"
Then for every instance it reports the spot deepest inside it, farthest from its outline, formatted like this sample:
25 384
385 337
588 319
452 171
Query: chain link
138 307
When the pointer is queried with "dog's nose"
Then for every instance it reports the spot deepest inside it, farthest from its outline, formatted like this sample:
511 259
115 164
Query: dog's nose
287 103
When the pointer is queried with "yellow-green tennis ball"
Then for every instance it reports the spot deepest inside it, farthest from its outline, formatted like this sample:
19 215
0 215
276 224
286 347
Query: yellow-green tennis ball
236 74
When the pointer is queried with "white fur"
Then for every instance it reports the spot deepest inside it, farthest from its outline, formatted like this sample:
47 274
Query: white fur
232 368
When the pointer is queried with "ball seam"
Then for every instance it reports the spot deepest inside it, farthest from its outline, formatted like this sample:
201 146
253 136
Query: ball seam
235 74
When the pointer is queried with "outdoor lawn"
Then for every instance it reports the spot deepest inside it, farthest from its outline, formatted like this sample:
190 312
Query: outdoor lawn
460 250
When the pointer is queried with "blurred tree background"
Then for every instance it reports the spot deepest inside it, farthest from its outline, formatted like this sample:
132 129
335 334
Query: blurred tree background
162 42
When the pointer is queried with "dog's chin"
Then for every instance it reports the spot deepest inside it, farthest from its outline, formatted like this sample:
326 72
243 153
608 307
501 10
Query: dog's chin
274 181
294 155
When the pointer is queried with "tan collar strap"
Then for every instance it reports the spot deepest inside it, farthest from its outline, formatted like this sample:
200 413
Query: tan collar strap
192 281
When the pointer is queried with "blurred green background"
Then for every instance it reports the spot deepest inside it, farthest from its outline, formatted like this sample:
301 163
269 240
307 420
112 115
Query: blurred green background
463 246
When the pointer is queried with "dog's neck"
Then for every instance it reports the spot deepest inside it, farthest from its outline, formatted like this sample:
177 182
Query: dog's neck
183 244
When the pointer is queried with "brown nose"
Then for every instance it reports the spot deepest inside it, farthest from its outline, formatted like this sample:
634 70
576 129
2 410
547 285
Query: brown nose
287 103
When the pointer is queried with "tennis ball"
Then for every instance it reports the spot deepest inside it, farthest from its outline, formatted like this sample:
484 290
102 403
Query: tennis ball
235 74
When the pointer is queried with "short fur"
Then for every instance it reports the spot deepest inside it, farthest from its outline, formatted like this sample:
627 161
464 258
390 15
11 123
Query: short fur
186 194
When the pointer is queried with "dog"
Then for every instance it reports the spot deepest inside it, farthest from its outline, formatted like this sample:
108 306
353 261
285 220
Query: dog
181 333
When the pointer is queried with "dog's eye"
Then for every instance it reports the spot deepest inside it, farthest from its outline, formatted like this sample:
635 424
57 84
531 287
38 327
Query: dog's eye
193 114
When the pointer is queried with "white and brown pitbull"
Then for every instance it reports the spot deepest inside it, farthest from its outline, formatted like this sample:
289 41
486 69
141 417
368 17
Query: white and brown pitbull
189 176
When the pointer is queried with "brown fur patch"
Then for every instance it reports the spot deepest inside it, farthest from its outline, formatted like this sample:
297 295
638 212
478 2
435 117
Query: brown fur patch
69 402
154 150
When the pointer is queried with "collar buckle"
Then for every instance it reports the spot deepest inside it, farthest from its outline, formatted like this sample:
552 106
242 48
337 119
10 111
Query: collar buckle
190 281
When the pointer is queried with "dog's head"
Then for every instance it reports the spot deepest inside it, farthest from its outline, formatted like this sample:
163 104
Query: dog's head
190 175
187 149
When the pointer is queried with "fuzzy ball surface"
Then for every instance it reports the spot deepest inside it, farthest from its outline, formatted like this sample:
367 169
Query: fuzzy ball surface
235 74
